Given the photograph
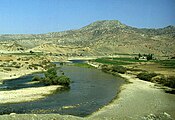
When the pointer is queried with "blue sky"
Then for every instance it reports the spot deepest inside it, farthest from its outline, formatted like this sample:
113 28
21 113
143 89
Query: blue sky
42 16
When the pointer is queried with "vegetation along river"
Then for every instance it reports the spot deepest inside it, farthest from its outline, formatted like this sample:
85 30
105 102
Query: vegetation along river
90 90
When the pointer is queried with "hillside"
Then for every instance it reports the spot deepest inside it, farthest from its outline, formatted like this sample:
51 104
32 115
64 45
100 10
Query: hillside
107 37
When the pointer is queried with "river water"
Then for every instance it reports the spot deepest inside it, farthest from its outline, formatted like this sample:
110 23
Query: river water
90 90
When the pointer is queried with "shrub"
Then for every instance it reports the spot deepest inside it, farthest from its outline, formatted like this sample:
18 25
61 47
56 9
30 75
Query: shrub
136 58
105 68
8 69
17 66
18 59
36 78
158 79
31 52
63 80
166 81
51 78
119 69
146 76
51 73
149 56
48 81
14 63
170 81
35 67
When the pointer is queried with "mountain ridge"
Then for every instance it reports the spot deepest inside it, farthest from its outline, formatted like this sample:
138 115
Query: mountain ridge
105 37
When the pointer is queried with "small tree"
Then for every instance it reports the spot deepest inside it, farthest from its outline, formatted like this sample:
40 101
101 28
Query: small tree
149 57
139 55
31 52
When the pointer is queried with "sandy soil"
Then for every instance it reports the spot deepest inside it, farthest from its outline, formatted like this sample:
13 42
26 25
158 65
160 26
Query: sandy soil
136 100
26 95
15 74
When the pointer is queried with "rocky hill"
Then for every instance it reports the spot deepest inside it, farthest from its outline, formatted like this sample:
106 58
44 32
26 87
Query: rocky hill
107 37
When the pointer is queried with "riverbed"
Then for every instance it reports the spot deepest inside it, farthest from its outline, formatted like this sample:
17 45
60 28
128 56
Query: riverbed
90 90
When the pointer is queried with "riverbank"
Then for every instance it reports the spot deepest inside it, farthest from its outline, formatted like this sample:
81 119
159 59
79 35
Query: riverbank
139 100
16 74
25 94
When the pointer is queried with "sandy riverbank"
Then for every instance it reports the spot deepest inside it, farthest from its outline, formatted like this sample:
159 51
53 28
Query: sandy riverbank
15 74
136 100
26 94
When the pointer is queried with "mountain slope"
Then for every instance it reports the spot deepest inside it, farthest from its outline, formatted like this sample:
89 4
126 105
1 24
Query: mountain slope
103 38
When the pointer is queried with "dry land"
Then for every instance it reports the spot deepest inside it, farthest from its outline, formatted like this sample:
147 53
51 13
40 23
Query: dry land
13 66
26 94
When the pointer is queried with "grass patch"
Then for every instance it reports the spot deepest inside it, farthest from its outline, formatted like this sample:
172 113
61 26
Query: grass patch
166 63
118 61
111 61
129 59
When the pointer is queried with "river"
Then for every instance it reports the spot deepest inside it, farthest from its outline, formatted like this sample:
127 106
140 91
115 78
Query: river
90 90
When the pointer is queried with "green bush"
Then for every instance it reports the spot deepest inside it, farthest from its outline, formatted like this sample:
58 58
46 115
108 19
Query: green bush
146 76
17 66
115 68
170 81
158 79
51 78
166 81
8 69
63 80
51 73
105 68
36 78
119 69
149 56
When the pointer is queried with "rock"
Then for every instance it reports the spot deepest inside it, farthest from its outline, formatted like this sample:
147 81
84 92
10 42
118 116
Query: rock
12 113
